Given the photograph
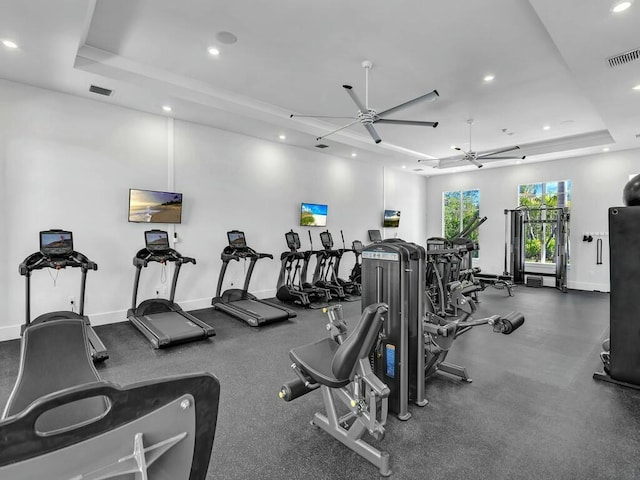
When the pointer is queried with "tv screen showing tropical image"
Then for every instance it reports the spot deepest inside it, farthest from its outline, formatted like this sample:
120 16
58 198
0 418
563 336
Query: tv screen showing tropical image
313 215
149 206
56 242
156 240
391 219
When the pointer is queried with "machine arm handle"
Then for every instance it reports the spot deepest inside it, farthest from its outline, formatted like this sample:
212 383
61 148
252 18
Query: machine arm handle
226 257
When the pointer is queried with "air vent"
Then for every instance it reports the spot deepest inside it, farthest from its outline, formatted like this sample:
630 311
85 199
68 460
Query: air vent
100 91
322 145
623 58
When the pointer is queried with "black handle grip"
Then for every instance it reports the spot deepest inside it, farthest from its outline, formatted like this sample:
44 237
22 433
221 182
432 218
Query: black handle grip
294 389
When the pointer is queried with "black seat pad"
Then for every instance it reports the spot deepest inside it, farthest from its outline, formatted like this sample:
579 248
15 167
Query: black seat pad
315 360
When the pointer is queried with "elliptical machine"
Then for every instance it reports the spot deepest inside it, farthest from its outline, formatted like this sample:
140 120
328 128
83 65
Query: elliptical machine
56 251
324 275
292 286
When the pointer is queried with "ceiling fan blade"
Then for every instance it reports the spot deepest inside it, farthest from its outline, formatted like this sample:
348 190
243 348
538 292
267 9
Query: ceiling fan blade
316 116
503 158
337 130
355 98
372 132
510 149
407 122
431 96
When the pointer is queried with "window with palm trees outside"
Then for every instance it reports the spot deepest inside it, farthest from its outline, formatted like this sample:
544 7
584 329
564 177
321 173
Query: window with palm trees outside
543 201
459 209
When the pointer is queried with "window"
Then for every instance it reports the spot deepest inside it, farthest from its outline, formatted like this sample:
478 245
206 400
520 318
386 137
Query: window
543 199
459 209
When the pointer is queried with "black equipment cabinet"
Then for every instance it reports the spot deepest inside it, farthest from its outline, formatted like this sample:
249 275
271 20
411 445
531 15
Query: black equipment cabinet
399 359
624 245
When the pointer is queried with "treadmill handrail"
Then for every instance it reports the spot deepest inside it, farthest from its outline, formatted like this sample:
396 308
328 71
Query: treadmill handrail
38 261
144 256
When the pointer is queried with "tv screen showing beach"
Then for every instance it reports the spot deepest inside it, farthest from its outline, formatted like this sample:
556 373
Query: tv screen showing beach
236 239
313 215
149 206
391 219
56 243
156 240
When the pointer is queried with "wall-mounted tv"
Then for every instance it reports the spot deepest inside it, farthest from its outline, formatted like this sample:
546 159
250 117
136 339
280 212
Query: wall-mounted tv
150 206
313 215
391 219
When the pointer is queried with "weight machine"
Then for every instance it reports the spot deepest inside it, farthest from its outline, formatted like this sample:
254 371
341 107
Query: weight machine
519 223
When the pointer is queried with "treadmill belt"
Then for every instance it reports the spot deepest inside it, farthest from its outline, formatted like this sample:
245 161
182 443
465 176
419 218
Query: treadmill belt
269 313
174 325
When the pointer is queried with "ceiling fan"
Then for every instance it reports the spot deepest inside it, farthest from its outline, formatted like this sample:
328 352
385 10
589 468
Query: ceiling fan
474 158
368 116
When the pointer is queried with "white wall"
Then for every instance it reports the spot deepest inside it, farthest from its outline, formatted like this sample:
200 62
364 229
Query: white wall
68 162
597 183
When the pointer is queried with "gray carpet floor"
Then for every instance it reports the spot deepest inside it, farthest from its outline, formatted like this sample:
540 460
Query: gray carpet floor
533 410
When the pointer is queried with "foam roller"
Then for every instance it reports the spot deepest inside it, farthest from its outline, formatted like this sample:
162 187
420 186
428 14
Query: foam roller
511 322
294 389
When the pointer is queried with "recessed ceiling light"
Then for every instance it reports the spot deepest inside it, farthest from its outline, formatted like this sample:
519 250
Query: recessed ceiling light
9 44
637 87
605 149
404 166
213 51
282 137
489 78
546 127
620 6
453 147
166 108
354 154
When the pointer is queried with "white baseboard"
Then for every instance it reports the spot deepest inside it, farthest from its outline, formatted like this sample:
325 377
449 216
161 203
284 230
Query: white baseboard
589 287
10 332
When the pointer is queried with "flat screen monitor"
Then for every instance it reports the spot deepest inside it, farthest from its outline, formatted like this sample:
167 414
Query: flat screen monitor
150 206
293 240
313 215
156 240
391 219
56 243
236 239
326 239
374 236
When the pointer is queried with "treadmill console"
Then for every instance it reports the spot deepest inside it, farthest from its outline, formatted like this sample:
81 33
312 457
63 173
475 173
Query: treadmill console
293 240
237 240
327 241
357 246
157 241
374 236
56 243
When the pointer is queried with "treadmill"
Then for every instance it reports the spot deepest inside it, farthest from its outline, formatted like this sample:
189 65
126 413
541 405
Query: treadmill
240 303
163 321
56 251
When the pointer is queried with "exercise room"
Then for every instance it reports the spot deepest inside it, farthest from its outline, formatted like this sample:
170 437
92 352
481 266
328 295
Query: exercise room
267 240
